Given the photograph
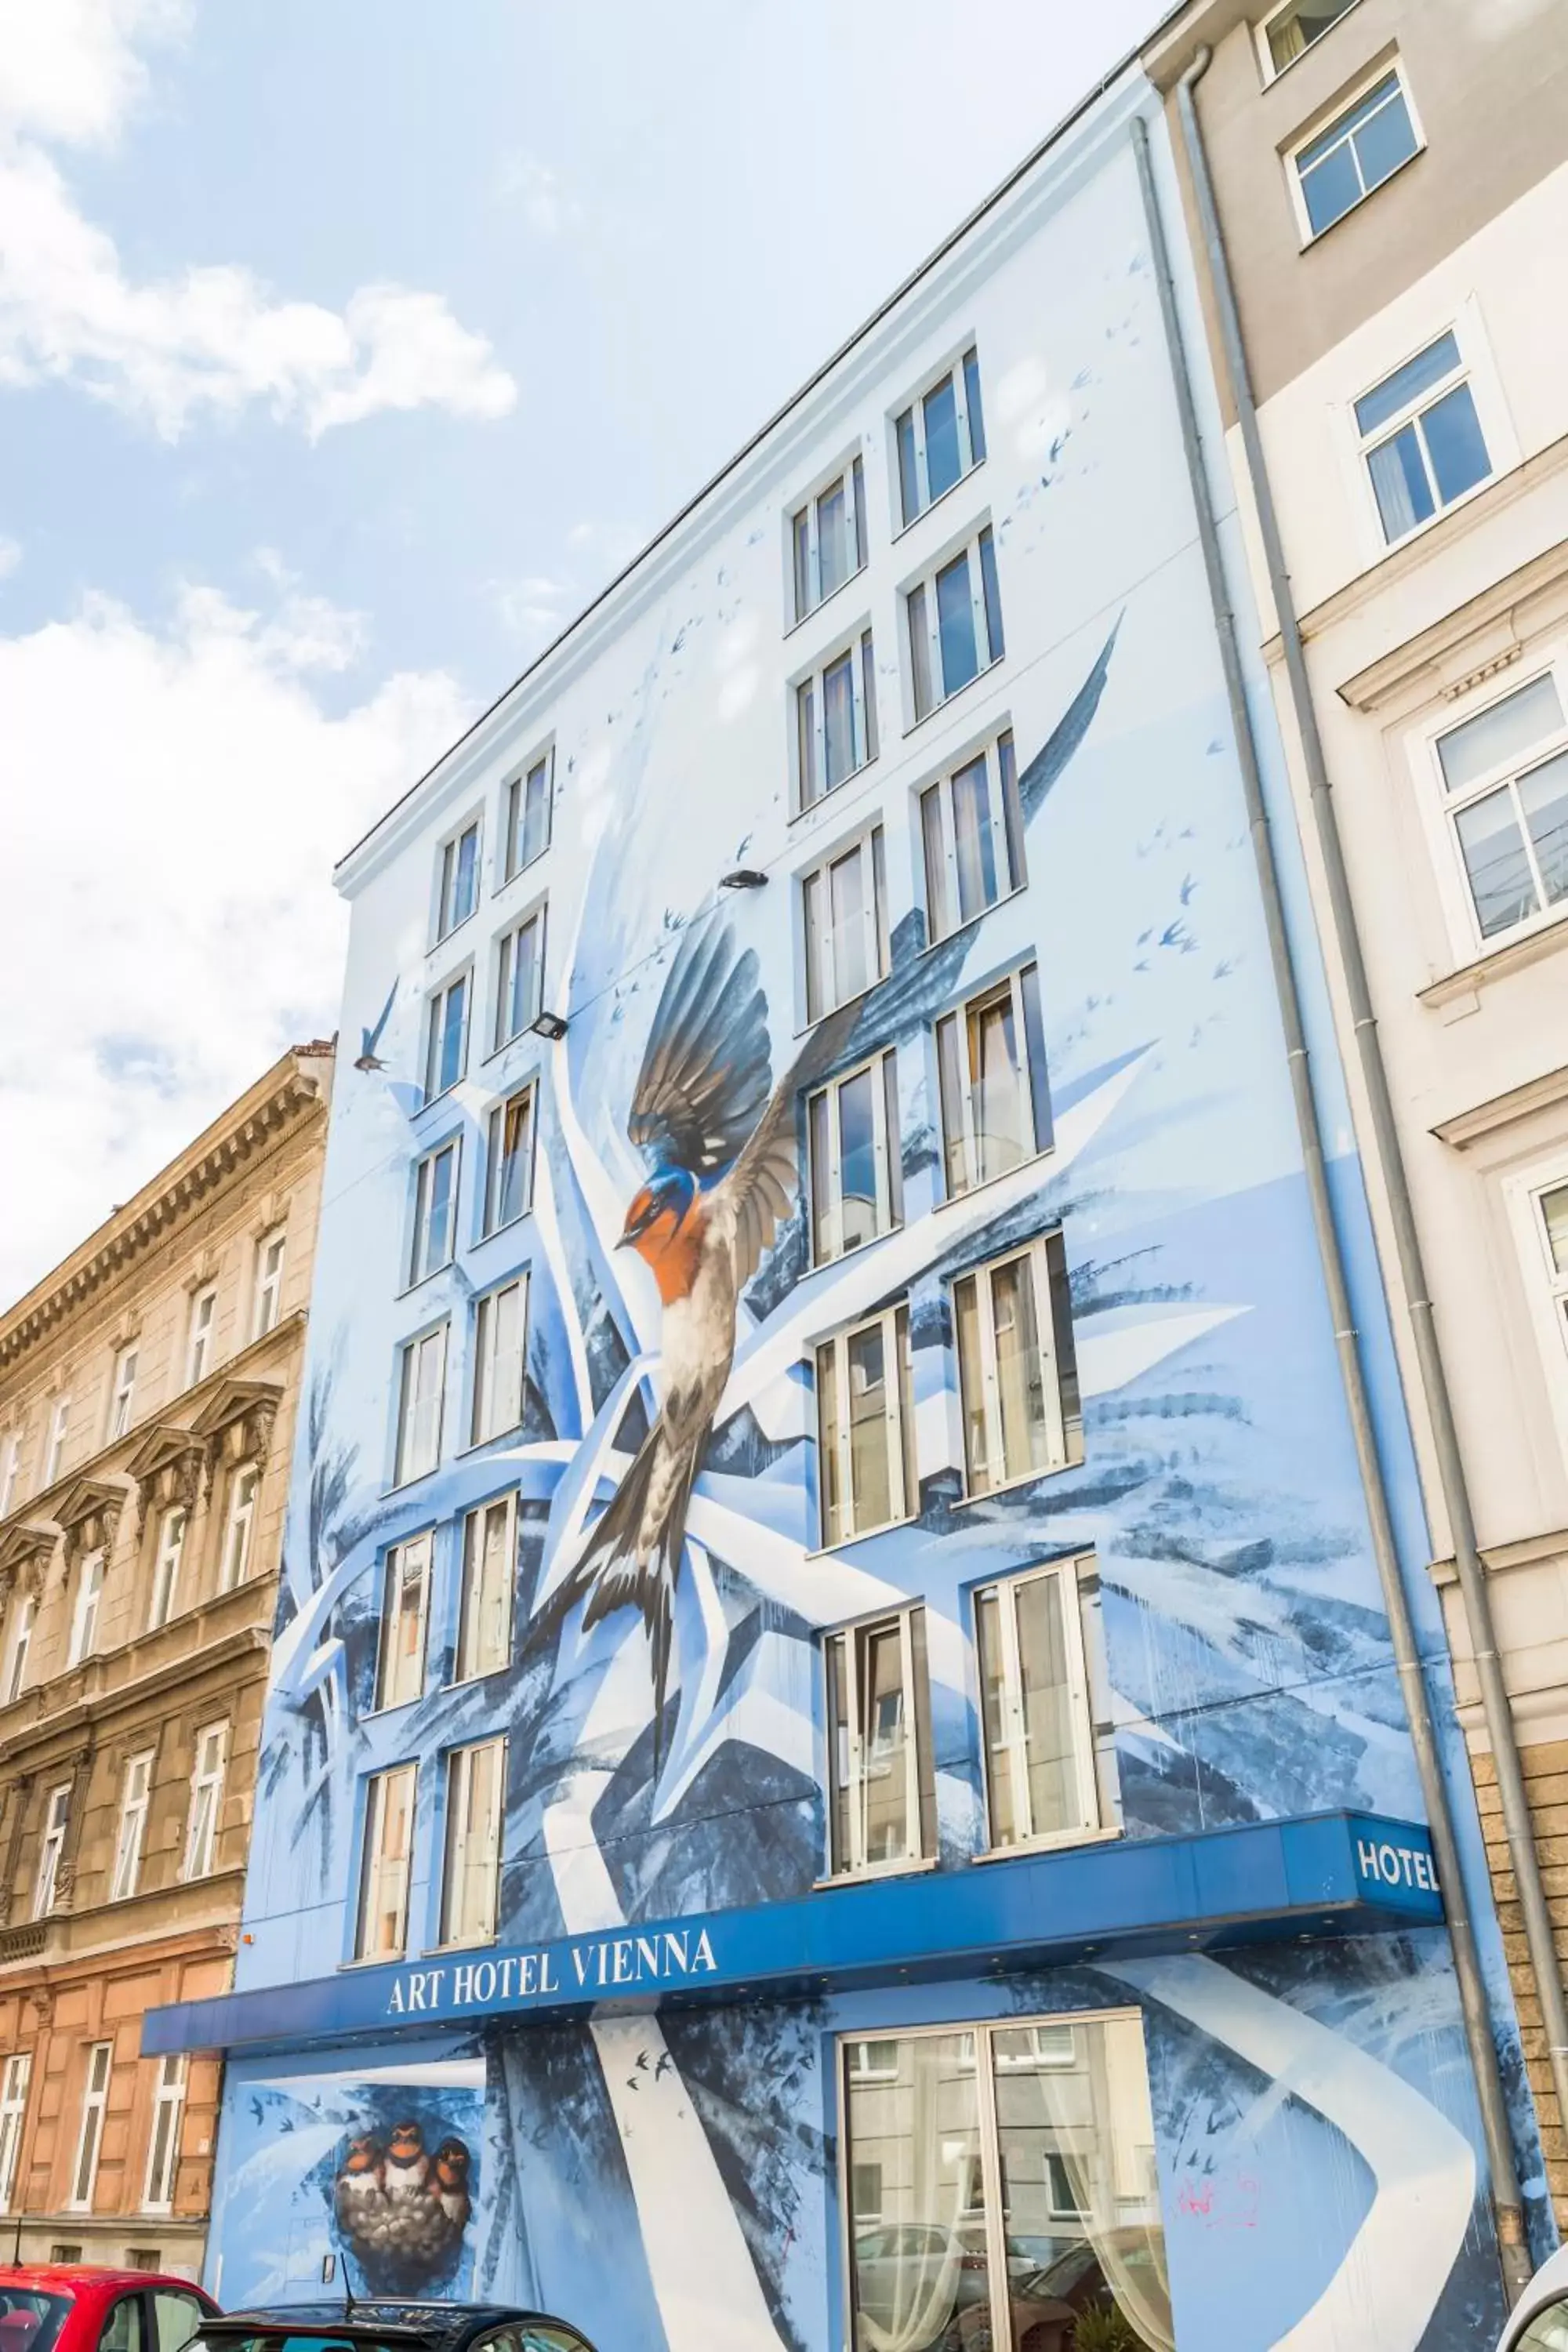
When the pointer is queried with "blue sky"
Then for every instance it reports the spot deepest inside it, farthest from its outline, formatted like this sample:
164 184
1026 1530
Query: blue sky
344 351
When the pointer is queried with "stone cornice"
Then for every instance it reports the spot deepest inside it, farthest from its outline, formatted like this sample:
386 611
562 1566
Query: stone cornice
1468 1127
288 1091
96 1701
1483 635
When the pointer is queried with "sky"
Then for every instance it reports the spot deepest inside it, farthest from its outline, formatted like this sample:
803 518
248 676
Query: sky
345 353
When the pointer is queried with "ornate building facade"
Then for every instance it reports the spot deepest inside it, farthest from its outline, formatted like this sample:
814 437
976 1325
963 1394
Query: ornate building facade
147 1394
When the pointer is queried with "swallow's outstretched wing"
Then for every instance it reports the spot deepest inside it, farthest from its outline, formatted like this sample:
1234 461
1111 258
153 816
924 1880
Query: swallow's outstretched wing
760 1191
370 1038
704 1078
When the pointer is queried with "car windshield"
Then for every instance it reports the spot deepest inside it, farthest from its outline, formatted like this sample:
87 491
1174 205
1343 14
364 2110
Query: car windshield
29 2319
301 2338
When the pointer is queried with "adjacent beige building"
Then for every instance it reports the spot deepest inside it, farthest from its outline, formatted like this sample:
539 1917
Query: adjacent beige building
1390 179
148 1389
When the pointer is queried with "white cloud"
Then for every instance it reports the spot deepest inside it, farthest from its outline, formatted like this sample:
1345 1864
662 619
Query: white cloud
210 339
10 555
546 204
175 801
534 608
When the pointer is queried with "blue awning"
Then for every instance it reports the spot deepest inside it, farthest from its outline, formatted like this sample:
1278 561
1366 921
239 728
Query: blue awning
1327 1874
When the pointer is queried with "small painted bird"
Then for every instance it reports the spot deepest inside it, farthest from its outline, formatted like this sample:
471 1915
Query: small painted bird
358 2190
405 2167
449 2182
367 1057
721 1154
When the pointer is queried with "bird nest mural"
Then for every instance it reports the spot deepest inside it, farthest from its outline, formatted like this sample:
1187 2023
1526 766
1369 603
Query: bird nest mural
402 2207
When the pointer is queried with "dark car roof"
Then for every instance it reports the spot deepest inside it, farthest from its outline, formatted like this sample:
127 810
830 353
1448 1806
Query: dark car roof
414 2322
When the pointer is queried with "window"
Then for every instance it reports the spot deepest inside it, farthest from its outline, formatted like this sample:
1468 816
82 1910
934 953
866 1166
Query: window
836 721
123 1393
476 1789
852 1147
509 1160
435 1212
941 437
59 2252
207 1799
14 2080
134 1802
176 2316
21 1642
1421 438
528 800
520 977
406 1600
1552 1208
58 1428
827 540
200 1337
973 834
382 1925
954 621
123 2331
1003 2187
239 1526
866 1427
446 1037
1017 1374
1290 32
8 1477
501 1339
1359 149
166 1566
489 1562
1505 778
873 2062
881 1805
991 1080
84 1614
1040 1781
457 880
421 1382
94 2100
844 904
269 1282
163 2147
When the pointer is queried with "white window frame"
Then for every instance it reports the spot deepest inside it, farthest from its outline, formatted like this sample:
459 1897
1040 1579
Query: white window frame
990 641
1067 1576
858 2073
86 1606
1465 372
514 813
10 1474
1005 820
465 1666
434 1028
266 1298
485 1401
1267 67
122 1389
375 1863
917 1737
16 2081
887 1153
1441 808
130 1836
495 1137
51 1847
164 2136
1546 1289
914 409
1390 69
420 1264
427 1348
21 1642
532 918
903 1484
415 1556
208 1770
173 1526
239 1526
448 865
808 742
1013 984
868 846
89 2137
1035 1254
455 1842
200 1333
59 1429
851 476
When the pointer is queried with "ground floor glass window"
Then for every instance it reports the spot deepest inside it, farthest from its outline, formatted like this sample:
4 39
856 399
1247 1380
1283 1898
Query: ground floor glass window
1001 2186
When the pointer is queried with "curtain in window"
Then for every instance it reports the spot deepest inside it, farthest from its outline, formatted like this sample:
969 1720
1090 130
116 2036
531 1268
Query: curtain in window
907 2276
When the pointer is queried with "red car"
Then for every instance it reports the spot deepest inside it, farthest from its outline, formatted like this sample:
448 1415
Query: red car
75 2307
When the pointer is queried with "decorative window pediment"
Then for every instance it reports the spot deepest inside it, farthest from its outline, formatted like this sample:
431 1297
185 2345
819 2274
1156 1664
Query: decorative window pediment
167 1468
89 1517
25 1553
236 1425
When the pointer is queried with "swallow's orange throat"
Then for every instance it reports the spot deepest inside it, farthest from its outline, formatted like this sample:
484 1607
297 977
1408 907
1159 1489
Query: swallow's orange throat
671 1245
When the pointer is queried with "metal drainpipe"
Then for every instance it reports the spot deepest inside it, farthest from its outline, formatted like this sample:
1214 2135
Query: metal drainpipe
1505 2191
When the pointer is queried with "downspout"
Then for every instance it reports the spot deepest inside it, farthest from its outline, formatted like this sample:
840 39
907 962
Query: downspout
1505 2190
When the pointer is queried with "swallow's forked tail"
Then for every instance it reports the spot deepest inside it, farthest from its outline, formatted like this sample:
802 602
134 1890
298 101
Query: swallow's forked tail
624 1566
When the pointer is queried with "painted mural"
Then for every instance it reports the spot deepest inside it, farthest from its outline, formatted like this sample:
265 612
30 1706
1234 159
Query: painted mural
1315 2168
